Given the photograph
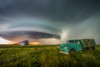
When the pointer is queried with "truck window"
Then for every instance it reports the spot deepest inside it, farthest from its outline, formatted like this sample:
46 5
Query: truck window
71 41
77 42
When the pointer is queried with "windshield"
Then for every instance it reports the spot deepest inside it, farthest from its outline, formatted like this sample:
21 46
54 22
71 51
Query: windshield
71 41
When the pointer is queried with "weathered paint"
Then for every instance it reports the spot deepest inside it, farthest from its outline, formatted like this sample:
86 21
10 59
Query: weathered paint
77 45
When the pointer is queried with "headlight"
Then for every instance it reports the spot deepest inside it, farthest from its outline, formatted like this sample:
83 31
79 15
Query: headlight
65 47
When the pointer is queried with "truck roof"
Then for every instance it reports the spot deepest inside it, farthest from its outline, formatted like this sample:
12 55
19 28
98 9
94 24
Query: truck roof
86 42
81 39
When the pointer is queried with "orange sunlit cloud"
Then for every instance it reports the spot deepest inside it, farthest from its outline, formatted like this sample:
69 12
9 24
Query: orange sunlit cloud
35 43
4 41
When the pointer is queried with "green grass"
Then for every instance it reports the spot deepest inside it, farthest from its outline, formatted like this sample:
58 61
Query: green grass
46 56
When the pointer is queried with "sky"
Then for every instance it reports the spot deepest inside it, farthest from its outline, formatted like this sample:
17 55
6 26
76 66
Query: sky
49 21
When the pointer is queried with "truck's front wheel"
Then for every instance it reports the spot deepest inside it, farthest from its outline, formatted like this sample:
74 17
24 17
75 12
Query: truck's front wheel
72 51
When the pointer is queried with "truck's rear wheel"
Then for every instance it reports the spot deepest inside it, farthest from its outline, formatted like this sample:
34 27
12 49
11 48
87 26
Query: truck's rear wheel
72 51
93 48
88 48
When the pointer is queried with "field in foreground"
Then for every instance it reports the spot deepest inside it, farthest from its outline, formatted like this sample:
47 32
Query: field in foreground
46 56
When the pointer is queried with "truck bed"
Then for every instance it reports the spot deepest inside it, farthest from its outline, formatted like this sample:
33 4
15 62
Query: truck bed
87 43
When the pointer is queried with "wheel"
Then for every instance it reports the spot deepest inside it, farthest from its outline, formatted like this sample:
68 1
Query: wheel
72 51
93 48
87 48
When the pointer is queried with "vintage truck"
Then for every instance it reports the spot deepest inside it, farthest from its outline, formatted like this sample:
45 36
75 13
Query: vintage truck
76 45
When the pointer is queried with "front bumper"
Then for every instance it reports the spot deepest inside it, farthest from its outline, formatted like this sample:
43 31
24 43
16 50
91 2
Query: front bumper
64 52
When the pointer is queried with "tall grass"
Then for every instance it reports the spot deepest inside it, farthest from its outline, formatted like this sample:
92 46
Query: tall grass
29 56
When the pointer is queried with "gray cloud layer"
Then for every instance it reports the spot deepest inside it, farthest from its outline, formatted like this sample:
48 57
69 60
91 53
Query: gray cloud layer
58 10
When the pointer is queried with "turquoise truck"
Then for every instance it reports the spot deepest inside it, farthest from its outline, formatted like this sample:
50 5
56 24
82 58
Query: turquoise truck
76 45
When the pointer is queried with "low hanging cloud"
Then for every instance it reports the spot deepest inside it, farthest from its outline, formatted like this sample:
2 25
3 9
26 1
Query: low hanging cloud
87 29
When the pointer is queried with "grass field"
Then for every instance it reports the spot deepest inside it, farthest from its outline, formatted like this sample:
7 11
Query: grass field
46 56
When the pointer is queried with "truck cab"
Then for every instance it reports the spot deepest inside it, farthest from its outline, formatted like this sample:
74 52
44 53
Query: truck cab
70 46
77 45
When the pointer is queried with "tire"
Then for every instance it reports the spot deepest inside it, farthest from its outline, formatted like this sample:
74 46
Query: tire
93 48
87 48
72 51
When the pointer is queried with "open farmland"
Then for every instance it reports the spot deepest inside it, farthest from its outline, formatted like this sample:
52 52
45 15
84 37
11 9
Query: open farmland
46 56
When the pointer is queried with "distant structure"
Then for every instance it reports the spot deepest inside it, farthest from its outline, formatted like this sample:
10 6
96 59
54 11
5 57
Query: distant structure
24 43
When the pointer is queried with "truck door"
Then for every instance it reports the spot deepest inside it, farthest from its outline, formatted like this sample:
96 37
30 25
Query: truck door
78 45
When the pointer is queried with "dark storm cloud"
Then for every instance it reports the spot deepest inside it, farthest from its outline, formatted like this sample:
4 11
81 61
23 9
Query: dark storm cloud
61 19
57 10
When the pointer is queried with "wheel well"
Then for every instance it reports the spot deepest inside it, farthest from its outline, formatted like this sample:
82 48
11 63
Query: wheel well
73 49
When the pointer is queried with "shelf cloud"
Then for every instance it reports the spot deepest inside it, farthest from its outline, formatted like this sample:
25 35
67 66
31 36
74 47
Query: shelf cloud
49 20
